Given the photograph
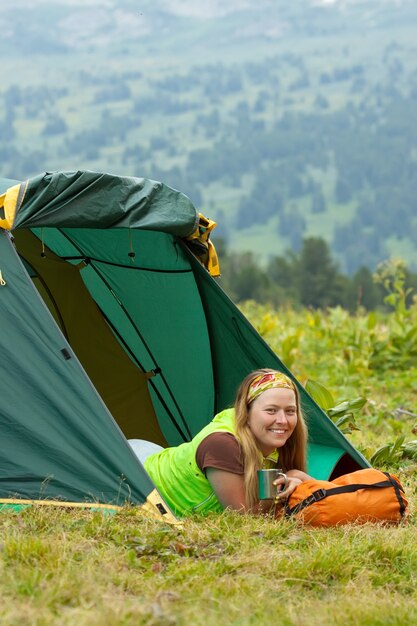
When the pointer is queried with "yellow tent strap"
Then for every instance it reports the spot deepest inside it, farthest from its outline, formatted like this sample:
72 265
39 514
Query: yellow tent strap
60 504
202 247
8 202
154 507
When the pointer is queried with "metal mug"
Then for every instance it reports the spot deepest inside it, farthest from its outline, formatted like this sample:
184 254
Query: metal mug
267 490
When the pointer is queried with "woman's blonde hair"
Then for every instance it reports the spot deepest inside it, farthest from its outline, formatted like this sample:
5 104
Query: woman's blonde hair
291 456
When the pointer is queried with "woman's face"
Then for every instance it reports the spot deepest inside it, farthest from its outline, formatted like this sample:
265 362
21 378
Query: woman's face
273 418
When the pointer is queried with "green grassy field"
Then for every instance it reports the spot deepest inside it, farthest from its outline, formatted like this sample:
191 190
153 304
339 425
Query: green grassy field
84 568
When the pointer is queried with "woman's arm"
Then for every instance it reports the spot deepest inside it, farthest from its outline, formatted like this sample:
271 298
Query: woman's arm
229 488
299 474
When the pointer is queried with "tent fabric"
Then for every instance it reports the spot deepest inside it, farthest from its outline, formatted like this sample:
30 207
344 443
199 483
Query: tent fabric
139 341
57 437
144 299
321 460
121 385
90 199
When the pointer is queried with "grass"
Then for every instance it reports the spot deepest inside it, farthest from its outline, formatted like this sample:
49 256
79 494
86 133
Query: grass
86 568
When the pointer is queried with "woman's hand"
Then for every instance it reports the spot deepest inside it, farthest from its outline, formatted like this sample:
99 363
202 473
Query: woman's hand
293 479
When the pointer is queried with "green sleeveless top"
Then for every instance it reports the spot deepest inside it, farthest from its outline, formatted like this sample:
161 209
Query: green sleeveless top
177 476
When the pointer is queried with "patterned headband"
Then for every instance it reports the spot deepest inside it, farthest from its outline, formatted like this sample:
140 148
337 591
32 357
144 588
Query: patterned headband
270 380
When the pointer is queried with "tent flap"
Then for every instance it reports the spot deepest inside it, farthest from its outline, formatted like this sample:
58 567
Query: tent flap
96 200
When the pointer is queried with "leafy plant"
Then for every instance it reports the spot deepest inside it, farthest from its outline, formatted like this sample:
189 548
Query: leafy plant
398 349
410 449
341 414
389 453
392 453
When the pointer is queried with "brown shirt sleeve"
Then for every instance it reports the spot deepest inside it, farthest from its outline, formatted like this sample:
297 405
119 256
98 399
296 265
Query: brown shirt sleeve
222 451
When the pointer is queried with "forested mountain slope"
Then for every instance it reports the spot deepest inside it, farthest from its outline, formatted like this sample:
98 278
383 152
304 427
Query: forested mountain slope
280 120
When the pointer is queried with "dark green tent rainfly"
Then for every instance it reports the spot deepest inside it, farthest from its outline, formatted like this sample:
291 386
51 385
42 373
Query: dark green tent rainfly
112 329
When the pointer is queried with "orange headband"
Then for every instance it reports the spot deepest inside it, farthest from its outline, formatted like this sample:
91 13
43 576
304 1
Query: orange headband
269 380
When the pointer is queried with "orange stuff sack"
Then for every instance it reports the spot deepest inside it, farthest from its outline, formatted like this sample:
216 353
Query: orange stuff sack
367 495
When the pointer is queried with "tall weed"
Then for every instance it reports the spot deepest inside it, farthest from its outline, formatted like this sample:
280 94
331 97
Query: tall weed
398 346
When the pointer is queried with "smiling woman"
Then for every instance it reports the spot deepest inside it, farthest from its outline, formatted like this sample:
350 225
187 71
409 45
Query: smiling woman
270 423
217 469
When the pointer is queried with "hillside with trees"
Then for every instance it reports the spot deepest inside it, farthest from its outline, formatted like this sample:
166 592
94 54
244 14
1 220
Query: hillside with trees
282 121
310 279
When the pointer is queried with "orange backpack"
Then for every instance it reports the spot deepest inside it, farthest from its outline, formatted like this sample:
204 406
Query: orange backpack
362 496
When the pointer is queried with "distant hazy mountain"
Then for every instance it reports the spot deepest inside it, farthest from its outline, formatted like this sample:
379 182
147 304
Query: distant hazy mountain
279 119
70 25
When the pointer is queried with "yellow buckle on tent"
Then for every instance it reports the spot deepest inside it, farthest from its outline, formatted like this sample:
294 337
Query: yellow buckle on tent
201 236
8 202
157 509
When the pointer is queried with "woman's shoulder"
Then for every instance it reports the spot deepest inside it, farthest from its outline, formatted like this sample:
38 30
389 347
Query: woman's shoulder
220 450
220 438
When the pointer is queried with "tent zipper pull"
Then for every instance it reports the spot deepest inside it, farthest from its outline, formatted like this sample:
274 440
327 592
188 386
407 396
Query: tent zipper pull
2 281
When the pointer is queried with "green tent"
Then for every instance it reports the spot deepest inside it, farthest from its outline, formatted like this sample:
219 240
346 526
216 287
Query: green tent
111 328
